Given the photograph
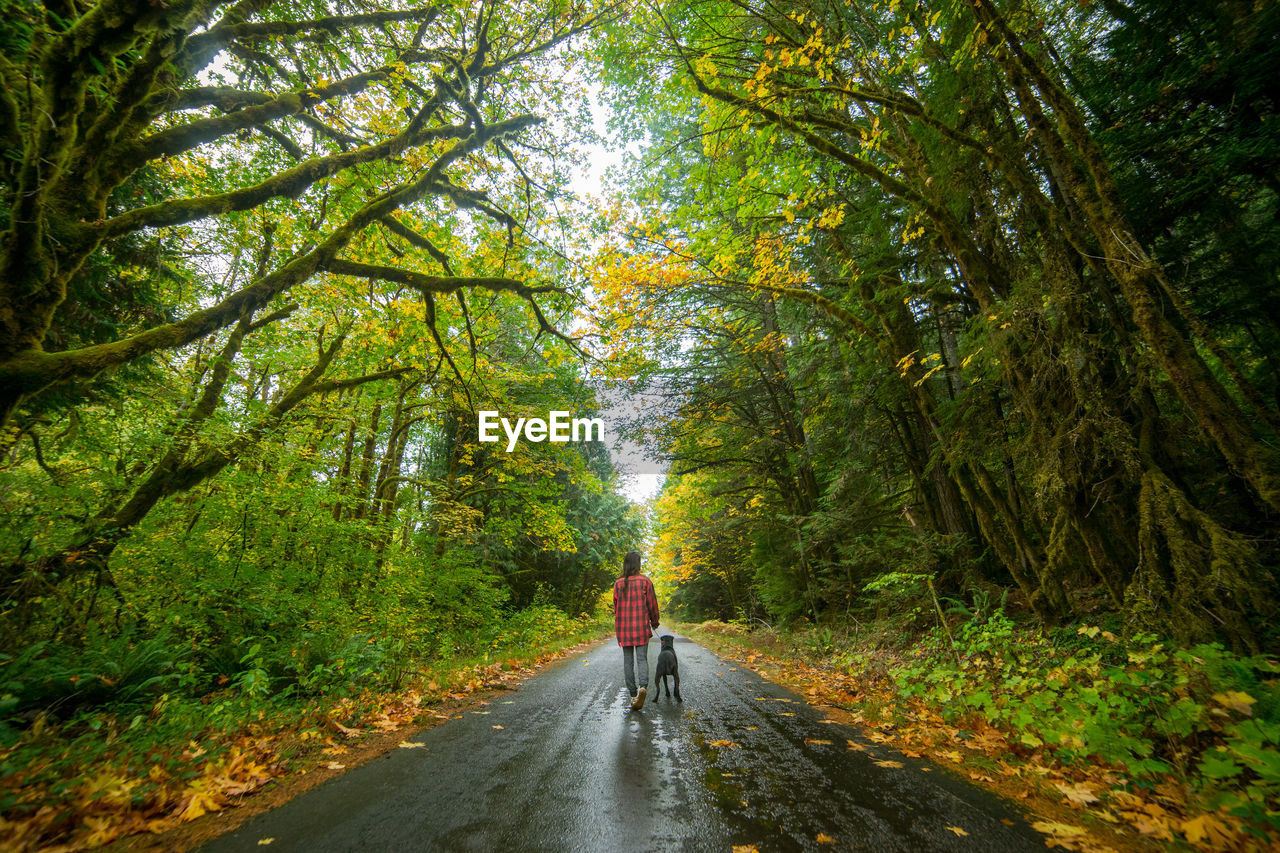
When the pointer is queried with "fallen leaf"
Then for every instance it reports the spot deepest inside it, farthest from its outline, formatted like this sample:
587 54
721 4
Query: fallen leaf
1079 794
263 842
201 803
887 763
817 741
1209 831
1151 820
957 830
333 765
110 788
346 732
745 848
722 743
859 747
1060 834
497 727
409 744
823 838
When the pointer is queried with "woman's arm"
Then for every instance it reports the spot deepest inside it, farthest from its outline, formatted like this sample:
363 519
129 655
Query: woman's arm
651 597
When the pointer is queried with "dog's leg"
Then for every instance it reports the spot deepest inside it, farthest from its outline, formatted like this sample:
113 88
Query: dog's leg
676 676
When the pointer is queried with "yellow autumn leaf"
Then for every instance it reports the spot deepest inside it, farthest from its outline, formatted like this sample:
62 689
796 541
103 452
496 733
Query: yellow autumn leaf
1209 831
1237 701
1079 794
1060 834
201 803
927 374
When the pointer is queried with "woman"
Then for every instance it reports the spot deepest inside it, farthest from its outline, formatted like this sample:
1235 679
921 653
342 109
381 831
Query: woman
635 613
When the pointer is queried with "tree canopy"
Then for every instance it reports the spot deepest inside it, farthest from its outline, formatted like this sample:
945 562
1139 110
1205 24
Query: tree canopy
314 131
914 253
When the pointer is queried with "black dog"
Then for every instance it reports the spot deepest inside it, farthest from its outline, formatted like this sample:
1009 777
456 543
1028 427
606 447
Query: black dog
668 665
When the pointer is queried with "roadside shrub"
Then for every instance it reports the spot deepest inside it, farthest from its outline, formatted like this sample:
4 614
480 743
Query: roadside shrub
123 671
1203 713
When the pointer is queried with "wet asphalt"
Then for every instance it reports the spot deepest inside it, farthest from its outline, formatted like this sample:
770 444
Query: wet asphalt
563 764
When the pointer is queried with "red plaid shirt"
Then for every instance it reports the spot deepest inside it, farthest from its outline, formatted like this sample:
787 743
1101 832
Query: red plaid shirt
635 610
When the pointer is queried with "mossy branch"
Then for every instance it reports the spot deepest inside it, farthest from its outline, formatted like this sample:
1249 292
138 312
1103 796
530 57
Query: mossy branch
287 184
424 283
200 49
32 370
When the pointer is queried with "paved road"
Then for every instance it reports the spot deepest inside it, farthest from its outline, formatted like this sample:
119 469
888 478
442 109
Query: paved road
573 769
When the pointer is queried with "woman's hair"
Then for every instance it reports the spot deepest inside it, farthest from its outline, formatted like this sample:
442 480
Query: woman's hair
631 564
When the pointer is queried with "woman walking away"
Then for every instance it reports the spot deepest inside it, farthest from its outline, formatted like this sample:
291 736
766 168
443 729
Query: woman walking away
635 613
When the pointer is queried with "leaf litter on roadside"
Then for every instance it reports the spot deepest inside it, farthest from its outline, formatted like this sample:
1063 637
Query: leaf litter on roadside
1162 813
109 802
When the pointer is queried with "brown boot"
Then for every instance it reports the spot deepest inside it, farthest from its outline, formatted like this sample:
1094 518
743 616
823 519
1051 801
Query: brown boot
638 702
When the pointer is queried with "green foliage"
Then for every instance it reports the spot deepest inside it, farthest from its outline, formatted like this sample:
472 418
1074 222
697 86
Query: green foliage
1204 713
156 749
123 672
880 252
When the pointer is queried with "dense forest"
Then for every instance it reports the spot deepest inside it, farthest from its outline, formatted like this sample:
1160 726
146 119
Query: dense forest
962 301
271 269
975 291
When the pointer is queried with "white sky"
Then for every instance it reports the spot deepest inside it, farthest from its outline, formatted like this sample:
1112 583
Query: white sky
642 477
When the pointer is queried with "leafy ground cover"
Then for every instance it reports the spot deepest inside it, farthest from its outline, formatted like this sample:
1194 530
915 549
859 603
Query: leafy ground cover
1111 743
151 762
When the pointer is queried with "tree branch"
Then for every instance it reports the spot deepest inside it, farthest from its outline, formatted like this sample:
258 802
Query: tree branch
31 370
418 241
424 283
200 49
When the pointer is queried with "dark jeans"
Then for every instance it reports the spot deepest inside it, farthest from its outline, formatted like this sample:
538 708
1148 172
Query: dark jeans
640 656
